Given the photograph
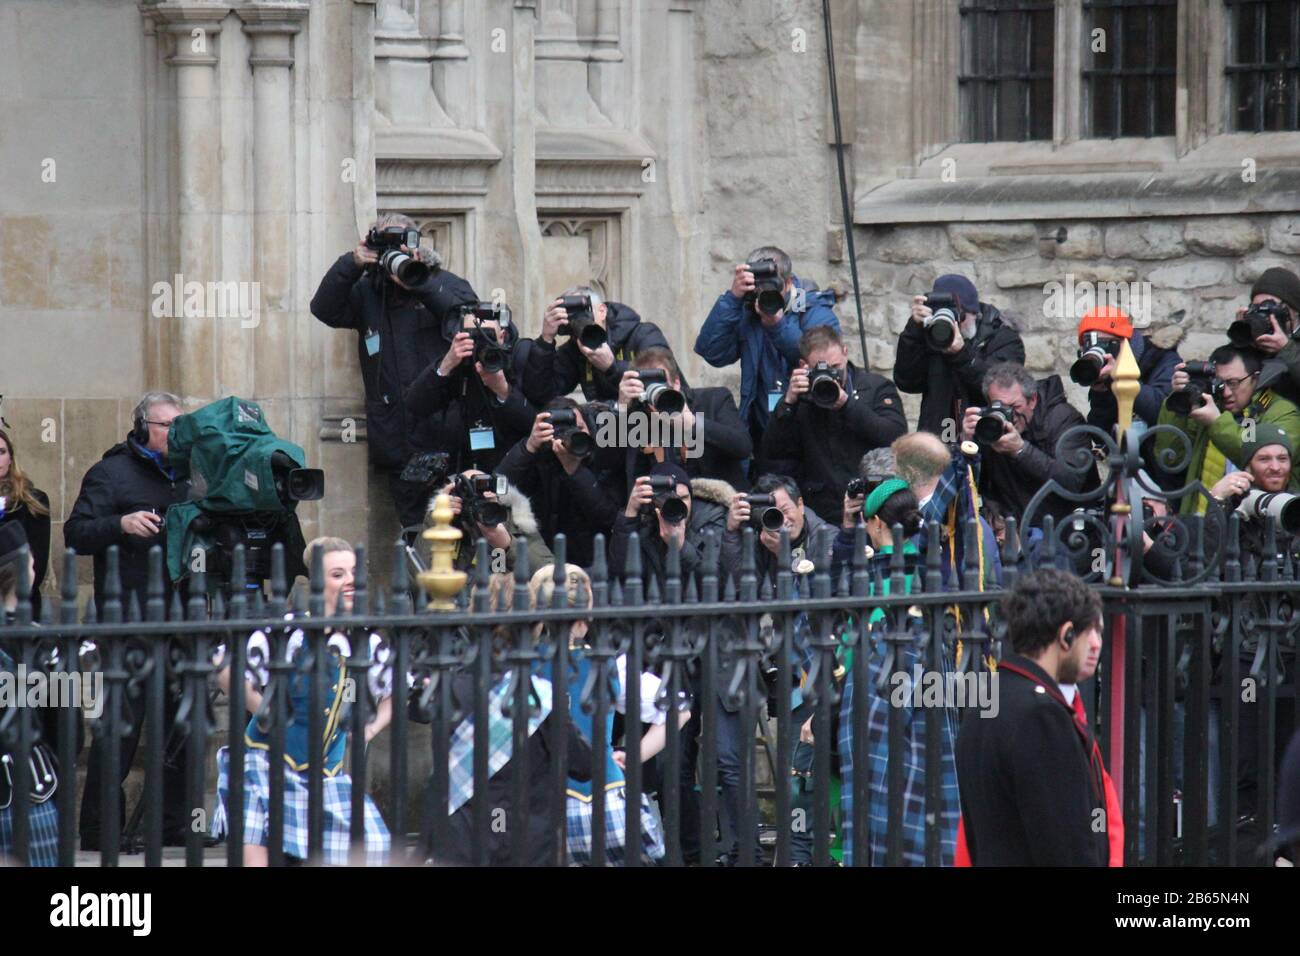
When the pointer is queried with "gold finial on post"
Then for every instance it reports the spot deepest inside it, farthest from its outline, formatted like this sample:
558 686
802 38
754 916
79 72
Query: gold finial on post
1126 385
442 581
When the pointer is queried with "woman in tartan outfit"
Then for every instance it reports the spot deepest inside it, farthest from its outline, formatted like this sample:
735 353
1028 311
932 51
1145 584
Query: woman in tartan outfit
43 816
340 566
893 503
579 793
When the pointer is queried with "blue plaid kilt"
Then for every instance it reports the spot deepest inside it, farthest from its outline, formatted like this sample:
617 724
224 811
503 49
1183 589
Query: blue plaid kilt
578 817
337 806
42 834
915 720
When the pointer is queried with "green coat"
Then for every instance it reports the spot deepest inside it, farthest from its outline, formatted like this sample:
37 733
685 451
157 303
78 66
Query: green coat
1266 406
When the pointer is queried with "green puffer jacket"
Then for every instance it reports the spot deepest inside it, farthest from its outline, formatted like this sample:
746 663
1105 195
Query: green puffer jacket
1266 406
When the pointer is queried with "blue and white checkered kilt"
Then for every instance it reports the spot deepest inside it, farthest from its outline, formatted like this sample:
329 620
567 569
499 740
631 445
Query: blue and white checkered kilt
42 834
337 806
578 814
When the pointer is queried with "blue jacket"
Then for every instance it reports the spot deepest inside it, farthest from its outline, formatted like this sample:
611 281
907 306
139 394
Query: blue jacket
733 332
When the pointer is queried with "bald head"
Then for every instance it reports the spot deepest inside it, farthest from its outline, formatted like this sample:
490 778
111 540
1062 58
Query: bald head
920 458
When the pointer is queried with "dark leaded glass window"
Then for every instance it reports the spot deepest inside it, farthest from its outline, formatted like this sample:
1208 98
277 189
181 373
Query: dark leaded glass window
1132 51
1264 65
1006 69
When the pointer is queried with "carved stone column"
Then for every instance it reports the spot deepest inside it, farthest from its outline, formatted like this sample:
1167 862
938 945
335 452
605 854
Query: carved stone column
271 30
193 29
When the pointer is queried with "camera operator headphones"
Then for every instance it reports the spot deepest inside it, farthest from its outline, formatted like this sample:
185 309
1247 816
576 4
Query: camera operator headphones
139 429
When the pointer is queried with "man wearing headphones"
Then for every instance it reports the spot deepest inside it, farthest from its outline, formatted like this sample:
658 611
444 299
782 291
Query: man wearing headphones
1032 783
124 500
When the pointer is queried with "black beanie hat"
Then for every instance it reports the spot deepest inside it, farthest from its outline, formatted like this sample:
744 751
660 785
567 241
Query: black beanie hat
1280 282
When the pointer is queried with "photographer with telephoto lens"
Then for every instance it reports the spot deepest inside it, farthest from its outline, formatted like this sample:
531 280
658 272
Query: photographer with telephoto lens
1269 324
775 503
602 341
831 415
951 341
1218 415
396 297
489 507
659 509
469 392
1018 432
713 442
758 323
1101 332
554 467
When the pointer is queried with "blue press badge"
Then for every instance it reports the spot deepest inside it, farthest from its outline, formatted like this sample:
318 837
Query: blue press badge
482 439
773 397
372 344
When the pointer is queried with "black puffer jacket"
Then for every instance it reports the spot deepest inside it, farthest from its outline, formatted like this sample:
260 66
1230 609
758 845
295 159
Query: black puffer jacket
824 446
950 384
126 479
1013 480
548 370
409 330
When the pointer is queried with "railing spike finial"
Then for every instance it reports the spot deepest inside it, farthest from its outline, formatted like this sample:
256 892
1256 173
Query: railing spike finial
1125 384
442 581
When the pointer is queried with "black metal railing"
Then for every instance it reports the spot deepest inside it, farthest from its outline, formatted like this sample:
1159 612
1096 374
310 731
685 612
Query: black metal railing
1198 644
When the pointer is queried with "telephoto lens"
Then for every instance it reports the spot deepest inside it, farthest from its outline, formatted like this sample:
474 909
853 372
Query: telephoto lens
992 422
1092 359
574 439
823 385
658 394
941 326
1256 322
488 352
1282 507
769 288
404 266
671 508
592 336
764 514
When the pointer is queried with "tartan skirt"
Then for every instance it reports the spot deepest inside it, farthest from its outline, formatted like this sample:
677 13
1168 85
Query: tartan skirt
578 818
42 834
337 808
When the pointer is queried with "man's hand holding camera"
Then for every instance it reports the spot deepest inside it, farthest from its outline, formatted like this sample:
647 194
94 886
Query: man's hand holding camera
738 513
641 496
1207 413
1010 443
921 312
602 358
1105 376
554 318
1270 343
496 535
462 347
1237 483
364 256
852 511
542 435
630 388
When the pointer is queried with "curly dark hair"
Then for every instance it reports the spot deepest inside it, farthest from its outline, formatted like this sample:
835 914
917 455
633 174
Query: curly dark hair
1040 602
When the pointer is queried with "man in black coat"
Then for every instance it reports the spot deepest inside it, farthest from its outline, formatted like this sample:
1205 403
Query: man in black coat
822 446
473 414
548 370
1025 457
399 334
1032 789
567 495
713 442
123 500
644 514
953 379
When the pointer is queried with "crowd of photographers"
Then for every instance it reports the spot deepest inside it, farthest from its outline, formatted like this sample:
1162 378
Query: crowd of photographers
459 401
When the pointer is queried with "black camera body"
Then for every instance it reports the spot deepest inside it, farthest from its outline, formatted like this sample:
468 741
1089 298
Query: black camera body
574 439
488 348
429 469
477 509
1093 350
764 515
388 242
1257 321
824 385
941 326
768 294
858 488
659 395
581 321
991 425
670 507
1200 381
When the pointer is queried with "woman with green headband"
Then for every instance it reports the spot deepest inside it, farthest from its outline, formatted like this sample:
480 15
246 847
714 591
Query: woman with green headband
893 503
